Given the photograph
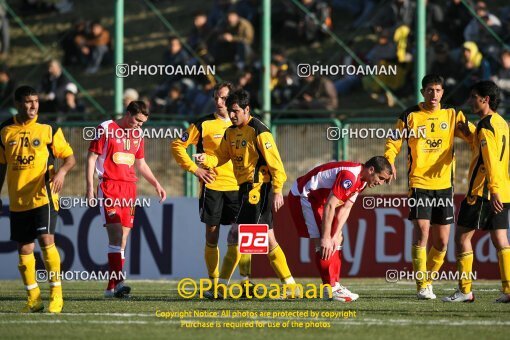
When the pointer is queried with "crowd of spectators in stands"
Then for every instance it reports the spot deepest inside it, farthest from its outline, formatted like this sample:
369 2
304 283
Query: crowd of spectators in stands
461 47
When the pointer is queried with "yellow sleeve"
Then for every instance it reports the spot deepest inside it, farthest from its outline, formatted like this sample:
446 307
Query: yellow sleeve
394 145
222 155
61 149
179 146
472 128
490 154
267 147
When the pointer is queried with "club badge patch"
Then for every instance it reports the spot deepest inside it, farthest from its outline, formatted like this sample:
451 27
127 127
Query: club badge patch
185 136
347 184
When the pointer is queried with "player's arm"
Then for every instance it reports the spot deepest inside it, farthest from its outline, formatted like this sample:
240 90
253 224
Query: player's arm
90 168
493 160
394 144
268 149
342 215
146 172
178 148
96 148
62 150
327 240
340 193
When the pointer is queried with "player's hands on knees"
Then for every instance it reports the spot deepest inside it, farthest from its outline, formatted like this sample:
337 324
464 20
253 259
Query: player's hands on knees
277 201
337 241
327 248
496 204
161 193
205 175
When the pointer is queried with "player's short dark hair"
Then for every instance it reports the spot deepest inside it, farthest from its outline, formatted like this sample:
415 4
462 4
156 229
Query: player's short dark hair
223 84
199 13
488 88
239 97
24 91
136 107
432 79
380 164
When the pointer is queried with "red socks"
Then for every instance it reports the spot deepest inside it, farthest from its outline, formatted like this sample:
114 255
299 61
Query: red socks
115 264
329 269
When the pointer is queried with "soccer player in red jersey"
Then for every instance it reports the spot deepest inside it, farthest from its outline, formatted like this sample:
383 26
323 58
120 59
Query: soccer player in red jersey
117 147
320 203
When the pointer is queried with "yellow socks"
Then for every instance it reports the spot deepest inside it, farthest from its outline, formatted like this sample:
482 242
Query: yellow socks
435 260
504 268
279 263
419 255
26 268
245 267
52 263
230 262
212 261
465 268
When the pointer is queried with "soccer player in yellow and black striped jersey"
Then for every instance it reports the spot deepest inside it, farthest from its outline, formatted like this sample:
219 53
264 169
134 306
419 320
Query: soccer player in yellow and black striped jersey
429 131
27 154
259 171
218 202
487 202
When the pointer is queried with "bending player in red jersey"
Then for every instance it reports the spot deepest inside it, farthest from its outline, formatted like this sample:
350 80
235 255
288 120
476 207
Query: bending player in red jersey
321 201
117 147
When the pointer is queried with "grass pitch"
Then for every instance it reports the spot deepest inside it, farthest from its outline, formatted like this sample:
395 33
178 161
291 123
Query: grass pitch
383 311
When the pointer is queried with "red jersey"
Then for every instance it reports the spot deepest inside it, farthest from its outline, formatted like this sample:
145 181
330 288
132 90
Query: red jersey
117 149
340 178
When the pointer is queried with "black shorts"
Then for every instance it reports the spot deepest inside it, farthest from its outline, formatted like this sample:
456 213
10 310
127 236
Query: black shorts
476 213
27 225
260 212
218 207
433 205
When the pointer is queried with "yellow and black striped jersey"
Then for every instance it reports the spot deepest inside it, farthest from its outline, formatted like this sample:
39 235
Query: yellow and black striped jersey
206 133
488 171
429 136
254 154
29 150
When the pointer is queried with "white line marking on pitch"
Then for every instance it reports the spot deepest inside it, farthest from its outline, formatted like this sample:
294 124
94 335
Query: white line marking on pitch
361 322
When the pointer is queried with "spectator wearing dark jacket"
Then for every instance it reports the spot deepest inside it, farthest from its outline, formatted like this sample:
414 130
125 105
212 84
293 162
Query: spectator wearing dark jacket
52 88
317 93
235 41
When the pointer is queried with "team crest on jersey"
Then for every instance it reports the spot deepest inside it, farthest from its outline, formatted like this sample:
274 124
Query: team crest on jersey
443 125
118 141
124 158
185 136
347 184
268 145
135 142
36 142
